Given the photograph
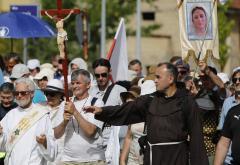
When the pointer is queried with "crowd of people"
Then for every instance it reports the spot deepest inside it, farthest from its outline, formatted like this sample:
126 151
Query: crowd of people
171 115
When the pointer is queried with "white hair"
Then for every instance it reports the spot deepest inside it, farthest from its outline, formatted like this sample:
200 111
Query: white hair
27 81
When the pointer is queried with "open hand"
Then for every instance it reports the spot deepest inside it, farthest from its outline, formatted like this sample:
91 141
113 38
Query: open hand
42 140
92 109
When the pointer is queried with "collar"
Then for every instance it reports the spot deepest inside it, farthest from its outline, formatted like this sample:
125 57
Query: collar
180 92
98 90
74 98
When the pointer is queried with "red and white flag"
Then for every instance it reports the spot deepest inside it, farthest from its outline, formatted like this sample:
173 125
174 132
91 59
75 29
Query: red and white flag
117 54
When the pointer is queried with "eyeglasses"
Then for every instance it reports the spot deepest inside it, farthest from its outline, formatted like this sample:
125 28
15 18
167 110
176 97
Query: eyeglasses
22 93
234 80
101 74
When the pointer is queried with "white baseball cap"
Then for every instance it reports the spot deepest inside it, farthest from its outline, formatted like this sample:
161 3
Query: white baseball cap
19 70
33 63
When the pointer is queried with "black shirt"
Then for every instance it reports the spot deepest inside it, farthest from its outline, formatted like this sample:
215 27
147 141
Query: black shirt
5 110
231 130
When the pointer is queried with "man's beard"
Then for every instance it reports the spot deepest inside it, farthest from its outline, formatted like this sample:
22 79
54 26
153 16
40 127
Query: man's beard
237 90
23 103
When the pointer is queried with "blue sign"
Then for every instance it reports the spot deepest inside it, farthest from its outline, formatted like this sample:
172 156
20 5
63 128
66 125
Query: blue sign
27 9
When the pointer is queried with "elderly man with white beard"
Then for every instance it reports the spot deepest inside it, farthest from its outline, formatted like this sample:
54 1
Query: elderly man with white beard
26 131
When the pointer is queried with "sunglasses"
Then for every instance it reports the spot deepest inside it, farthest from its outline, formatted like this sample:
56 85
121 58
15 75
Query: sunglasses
22 93
183 72
31 70
44 79
234 80
101 74
51 94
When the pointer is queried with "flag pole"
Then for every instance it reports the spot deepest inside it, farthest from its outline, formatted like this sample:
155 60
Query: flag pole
103 28
109 55
138 31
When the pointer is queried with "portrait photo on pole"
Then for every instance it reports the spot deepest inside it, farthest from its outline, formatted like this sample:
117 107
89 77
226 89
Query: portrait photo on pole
199 24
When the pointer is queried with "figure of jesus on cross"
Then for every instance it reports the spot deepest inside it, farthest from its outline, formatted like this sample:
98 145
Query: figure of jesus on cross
56 15
61 33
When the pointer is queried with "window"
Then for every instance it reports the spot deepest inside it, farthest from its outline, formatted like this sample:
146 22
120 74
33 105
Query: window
148 16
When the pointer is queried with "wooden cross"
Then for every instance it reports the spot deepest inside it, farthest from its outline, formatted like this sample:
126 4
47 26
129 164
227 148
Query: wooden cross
59 11
58 14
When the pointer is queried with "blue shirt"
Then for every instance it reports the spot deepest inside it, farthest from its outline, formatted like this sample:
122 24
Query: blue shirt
1 77
227 105
39 96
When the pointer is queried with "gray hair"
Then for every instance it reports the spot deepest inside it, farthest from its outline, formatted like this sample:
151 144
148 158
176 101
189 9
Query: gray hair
27 81
82 72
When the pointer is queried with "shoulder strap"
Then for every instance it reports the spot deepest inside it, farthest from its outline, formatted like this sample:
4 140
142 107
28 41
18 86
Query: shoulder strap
106 95
94 99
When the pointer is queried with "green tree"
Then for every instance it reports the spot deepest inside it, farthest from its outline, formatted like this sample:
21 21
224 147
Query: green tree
225 26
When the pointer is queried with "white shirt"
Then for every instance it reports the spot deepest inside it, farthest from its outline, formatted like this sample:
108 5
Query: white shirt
110 135
27 151
114 96
78 147
60 142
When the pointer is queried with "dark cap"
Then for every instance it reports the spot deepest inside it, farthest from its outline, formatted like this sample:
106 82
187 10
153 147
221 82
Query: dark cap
181 64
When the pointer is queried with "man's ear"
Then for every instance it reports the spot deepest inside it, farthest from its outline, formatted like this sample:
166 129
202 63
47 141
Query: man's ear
110 71
89 85
32 94
171 79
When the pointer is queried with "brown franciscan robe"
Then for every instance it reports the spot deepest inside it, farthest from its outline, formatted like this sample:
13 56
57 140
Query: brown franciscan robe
167 121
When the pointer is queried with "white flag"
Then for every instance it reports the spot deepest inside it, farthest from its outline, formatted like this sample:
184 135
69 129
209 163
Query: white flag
118 54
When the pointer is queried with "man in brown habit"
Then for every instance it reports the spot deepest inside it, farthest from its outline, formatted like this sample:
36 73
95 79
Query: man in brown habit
171 117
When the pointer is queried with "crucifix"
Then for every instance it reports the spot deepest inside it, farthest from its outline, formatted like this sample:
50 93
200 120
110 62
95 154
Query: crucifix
57 16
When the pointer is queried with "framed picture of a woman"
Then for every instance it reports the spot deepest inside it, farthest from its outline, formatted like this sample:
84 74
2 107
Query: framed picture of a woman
199 25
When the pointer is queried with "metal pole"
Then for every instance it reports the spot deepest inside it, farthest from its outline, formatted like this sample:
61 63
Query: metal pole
103 29
11 42
138 31
25 51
